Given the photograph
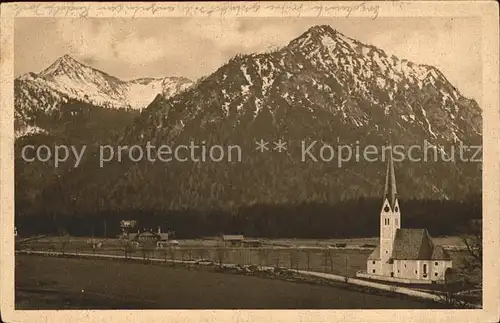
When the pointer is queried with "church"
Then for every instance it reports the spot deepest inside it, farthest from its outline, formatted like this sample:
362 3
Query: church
404 255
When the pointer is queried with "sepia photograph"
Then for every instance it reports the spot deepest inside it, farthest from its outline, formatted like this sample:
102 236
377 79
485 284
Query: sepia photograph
222 159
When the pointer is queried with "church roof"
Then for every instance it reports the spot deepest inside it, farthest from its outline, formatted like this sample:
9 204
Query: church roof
439 253
413 244
416 244
375 255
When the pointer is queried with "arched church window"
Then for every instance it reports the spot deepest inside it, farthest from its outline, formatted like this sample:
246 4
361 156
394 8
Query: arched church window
386 209
388 222
396 209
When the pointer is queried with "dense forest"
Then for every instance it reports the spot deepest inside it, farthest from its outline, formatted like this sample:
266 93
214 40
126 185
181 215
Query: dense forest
354 218
271 197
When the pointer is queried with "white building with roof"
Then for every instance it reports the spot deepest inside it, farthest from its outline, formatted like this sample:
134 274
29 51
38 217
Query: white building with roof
404 255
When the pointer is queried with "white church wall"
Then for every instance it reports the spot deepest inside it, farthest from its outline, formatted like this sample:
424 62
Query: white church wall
417 268
398 270
407 269
386 268
425 269
439 268
373 267
411 269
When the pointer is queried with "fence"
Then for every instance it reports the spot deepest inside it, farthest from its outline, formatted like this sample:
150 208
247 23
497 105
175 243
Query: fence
339 261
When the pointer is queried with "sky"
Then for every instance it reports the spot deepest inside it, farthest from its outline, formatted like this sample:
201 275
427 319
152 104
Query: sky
131 48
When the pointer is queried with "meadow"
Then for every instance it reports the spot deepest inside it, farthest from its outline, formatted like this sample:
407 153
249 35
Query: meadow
313 255
69 283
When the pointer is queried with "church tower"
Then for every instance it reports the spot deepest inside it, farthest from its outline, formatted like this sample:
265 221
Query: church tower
390 216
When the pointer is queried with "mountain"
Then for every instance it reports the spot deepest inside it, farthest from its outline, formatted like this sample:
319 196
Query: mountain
323 86
70 103
323 72
68 79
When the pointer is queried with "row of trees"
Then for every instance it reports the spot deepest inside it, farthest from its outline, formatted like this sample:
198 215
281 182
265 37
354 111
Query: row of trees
304 220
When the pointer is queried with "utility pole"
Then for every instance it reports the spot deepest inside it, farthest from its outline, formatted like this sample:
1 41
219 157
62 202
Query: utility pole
346 266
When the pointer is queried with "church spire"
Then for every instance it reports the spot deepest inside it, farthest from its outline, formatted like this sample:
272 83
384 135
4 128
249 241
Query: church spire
390 190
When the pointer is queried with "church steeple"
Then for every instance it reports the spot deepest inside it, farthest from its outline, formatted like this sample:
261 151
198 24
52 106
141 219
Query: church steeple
390 215
390 190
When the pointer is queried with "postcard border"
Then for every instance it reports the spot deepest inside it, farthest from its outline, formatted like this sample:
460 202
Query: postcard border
488 11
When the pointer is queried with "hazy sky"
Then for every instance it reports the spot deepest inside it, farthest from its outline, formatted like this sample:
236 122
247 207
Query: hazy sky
154 47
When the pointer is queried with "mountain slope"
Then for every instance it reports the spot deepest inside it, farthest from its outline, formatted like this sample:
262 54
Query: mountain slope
323 71
67 79
322 86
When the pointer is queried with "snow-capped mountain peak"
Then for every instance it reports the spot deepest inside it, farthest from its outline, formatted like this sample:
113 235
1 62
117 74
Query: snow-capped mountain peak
62 65
330 46
69 79
324 71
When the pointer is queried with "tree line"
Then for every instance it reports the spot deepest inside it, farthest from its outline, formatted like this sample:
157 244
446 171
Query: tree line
345 219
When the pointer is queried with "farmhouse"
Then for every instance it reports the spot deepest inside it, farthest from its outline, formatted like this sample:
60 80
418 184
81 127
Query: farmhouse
158 237
232 240
237 240
404 255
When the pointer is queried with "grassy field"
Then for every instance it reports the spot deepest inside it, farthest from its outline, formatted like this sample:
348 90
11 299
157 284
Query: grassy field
64 283
315 255
354 242
338 261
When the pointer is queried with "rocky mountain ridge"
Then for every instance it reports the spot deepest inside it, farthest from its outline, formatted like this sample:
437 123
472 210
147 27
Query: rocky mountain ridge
68 79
